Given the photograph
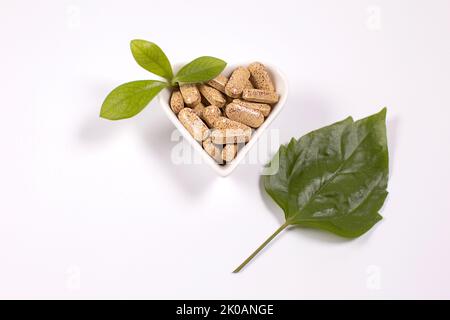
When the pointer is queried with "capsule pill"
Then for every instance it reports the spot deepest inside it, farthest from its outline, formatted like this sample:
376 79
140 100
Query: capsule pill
211 114
230 131
213 96
260 77
190 93
258 95
176 101
213 150
229 152
264 108
248 116
237 82
219 83
192 122
224 136
225 123
198 109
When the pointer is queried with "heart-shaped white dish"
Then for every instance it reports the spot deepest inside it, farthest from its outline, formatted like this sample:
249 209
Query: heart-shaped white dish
224 170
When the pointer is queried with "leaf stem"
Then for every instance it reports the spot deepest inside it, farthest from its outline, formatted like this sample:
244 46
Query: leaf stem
243 264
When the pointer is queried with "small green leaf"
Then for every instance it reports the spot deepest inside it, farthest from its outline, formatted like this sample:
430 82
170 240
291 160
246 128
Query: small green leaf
200 70
150 57
333 179
130 98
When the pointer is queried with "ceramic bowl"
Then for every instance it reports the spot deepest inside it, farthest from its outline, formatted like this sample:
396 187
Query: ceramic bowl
224 170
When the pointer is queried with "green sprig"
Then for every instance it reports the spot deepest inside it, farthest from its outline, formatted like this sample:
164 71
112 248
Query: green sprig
130 98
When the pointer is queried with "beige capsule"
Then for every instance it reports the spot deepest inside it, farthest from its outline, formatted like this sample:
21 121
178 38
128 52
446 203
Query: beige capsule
213 150
248 116
198 109
230 131
264 108
224 136
213 96
176 101
192 122
229 152
258 95
219 83
237 82
190 93
210 114
225 123
260 77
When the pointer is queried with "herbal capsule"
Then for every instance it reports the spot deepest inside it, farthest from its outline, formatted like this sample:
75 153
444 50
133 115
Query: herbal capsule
198 109
229 152
224 136
258 95
213 96
210 114
196 127
237 82
251 117
219 83
190 94
225 123
249 85
230 131
260 77
176 101
262 107
213 150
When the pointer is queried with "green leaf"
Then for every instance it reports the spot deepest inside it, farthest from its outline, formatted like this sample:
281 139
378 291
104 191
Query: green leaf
130 98
150 57
200 70
333 179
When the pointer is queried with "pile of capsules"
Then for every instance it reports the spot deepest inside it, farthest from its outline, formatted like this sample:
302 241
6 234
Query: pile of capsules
235 105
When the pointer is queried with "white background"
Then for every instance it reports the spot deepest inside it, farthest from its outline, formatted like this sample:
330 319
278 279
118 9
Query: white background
96 209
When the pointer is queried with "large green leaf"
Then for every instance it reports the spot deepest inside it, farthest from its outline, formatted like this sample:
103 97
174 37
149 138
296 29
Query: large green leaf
150 57
130 98
200 70
334 178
